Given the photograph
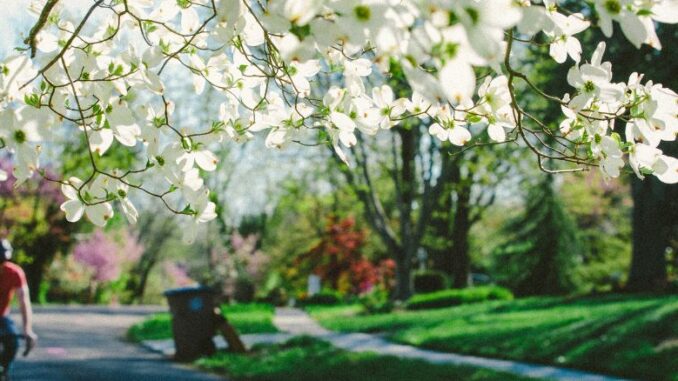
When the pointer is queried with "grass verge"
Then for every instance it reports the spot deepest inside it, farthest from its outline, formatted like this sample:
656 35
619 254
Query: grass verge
246 318
307 359
631 336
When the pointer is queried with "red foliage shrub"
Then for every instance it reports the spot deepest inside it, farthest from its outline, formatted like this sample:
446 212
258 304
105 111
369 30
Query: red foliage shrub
338 259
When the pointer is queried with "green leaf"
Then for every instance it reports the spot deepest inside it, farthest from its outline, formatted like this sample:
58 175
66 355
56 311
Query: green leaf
118 70
186 143
188 210
301 31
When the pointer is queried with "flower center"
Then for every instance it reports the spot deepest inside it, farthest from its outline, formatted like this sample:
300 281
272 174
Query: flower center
589 87
362 12
612 6
19 136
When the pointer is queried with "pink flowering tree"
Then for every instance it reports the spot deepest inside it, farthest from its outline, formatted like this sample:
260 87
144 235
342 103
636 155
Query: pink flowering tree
105 258
235 269
177 273
99 254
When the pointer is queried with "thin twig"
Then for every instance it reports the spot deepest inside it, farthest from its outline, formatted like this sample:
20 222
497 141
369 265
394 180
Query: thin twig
42 20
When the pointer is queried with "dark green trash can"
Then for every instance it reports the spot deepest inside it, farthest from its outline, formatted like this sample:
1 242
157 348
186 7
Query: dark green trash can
193 322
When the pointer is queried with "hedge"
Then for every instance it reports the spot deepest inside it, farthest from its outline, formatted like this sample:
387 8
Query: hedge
321 298
429 281
455 297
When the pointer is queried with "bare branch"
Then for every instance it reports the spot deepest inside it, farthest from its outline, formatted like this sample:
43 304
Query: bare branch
42 20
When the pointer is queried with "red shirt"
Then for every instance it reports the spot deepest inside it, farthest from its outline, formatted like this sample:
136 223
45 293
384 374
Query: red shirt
11 278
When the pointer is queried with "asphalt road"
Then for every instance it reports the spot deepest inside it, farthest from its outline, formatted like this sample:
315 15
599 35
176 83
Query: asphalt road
86 344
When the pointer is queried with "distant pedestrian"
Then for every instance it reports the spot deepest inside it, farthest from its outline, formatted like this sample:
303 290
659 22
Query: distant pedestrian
12 280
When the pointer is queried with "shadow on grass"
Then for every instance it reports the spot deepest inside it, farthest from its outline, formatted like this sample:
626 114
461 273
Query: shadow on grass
623 344
632 335
306 359
537 303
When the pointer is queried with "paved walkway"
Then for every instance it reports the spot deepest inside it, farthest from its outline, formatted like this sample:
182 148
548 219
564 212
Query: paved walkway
86 343
297 322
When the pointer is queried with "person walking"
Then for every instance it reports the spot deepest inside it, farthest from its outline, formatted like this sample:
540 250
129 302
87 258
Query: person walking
12 281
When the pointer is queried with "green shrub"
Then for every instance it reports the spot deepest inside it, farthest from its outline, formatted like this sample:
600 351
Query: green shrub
325 297
277 296
376 301
455 297
244 291
499 293
425 282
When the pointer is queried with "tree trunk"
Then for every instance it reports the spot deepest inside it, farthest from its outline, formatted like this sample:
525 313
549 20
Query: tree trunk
140 289
439 232
405 199
650 235
34 276
403 288
459 253
42 252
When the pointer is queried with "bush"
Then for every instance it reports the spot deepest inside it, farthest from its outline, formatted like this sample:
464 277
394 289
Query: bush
244 291
425 282
448 298
277 296
325 297
376 302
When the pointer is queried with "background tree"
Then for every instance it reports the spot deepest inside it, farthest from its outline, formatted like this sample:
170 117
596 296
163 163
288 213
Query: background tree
655 220
414 185
107 257
542 246
471 190
30 217
655 211
156 235
601 210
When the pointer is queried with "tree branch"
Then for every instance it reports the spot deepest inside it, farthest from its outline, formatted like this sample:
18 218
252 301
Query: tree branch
373 210
42 20
67 45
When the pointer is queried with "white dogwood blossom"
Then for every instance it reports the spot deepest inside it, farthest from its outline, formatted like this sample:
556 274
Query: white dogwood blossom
563 41
314 69
88 199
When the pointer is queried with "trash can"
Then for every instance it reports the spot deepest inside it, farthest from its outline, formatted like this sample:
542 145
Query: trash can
193 323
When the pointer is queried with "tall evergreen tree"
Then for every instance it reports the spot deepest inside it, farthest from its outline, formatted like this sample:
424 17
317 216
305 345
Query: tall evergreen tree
543 246
655 215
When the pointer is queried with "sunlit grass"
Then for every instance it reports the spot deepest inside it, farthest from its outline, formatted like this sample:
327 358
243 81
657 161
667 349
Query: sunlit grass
617 334
331 313
157 327
306 359
251 317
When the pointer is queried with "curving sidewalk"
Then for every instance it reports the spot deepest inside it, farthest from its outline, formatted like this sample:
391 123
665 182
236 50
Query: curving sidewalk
298 322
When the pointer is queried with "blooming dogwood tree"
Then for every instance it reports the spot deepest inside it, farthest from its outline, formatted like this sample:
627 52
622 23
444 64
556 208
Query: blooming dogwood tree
308 69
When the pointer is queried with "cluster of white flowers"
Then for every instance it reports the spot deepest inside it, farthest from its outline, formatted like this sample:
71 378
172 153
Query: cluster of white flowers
289 66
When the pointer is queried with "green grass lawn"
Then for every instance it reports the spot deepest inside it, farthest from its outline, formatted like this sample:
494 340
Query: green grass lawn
632 336
246 318
306 359
250 317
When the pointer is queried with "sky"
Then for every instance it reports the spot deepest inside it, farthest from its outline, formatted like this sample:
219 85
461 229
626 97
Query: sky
16 21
